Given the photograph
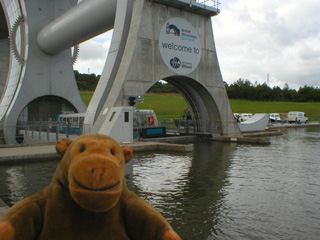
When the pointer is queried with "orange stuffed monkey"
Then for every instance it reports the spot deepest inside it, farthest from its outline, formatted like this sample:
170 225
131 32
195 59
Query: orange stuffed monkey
87 199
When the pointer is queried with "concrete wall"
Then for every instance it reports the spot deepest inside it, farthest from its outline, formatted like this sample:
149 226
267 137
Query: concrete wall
4 50
4 63
142 66
39 74
3 208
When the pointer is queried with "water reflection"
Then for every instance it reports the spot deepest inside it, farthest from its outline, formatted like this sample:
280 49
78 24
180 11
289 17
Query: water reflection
186 189
22 180
221 191
17 183
274 190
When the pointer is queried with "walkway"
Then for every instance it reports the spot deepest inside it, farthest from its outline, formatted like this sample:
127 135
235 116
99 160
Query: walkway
3 208
17 153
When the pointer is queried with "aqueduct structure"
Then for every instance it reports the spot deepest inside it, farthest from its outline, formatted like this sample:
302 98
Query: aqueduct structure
153 40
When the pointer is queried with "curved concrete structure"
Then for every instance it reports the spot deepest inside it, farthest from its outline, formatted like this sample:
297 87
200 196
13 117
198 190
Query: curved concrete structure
110 70
257 123
142 66
33 76
145 34
4 51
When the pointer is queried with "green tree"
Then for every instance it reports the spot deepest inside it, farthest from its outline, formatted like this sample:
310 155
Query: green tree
162 87
86 82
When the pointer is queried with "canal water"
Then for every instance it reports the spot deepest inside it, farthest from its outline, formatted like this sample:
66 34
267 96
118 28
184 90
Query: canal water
221 191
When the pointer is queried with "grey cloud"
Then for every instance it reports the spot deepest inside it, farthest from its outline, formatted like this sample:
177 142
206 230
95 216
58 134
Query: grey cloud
282 40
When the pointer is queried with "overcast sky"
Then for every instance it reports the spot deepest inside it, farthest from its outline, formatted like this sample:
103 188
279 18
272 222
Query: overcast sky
253 38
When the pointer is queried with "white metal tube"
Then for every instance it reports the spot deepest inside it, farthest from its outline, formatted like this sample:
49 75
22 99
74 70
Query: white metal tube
84 21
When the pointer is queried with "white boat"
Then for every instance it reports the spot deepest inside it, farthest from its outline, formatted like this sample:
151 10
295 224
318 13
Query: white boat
275 117
245 117
258 122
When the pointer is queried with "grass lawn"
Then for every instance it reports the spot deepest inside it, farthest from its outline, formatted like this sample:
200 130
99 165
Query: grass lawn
172 105
164 105
86 97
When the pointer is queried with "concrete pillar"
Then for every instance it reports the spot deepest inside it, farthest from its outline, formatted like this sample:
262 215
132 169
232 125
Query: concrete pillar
35 74
143 62
4 63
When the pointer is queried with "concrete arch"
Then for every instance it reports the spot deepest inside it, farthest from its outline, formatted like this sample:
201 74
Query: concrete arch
45 107
33 73
137 57
201 103
35 109
142 65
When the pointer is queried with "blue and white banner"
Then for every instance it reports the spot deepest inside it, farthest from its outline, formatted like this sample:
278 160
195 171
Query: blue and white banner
180 46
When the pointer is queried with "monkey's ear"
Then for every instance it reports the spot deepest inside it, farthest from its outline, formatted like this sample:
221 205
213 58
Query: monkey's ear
62 145
127 153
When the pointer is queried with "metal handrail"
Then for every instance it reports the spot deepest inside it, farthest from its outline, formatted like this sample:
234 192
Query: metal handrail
49 131
45 131
211 3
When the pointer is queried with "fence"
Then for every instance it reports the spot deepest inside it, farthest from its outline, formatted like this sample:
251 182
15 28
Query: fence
184 126
50 131
211 3
45 131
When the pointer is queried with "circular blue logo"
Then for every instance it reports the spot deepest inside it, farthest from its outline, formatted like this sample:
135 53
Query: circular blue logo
175 62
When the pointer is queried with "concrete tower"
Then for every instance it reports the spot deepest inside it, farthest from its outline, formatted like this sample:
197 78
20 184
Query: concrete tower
172 41
34 85
153 40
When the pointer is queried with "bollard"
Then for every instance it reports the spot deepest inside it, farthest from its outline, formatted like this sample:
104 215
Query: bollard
57 131
40 128
68 126
26 129
32 133
48 129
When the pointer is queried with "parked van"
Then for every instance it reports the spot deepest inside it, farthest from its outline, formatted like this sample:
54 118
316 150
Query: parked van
297 117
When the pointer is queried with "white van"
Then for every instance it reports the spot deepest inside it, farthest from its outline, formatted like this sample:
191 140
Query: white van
296 117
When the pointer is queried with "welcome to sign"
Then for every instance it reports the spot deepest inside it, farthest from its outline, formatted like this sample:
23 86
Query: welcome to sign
180 46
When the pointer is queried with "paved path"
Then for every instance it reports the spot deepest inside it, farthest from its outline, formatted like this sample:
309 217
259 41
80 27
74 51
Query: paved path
47 152
3 208
13 154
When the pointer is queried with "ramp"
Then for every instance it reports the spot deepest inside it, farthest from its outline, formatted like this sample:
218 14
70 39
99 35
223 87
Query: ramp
257 123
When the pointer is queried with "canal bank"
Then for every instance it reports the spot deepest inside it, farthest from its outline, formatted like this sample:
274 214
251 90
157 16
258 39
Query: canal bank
3 208
220 191
293 125
46 151
16 153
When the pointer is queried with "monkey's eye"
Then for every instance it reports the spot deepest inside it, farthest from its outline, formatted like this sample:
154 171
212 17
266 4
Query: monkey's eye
112 152
82 149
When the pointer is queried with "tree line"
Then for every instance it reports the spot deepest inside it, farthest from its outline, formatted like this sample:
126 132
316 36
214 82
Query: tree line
240 89
244 89
86 82
162 87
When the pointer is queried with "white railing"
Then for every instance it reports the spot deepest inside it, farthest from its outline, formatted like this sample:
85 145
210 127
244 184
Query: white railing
49 131
181 126
210 3
44 131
